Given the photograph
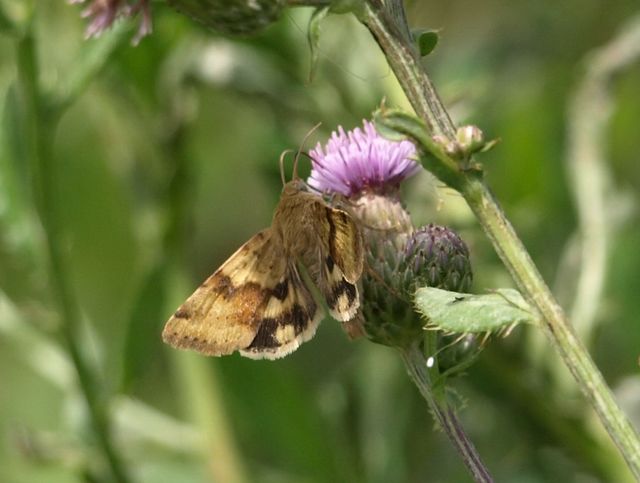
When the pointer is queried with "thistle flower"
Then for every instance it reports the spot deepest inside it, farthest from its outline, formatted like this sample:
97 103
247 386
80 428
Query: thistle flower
368 169
361 161
103 13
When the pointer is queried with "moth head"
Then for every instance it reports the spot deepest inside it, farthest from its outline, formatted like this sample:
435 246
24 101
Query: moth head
296 183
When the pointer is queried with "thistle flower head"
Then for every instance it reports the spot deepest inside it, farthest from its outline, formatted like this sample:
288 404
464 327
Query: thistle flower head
368 169
361 161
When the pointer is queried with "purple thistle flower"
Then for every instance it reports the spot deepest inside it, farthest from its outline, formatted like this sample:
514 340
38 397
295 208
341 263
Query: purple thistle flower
361 161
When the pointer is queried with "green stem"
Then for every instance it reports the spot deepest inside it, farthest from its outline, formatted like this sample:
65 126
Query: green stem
405 63
39 128
445 415
556 325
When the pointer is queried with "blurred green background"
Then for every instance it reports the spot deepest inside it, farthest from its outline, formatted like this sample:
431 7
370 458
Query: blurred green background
161 159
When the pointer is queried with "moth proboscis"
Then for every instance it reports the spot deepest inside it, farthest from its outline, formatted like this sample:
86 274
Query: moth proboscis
257 302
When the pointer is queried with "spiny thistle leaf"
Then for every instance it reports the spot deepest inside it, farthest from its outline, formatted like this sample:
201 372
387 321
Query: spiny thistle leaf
465 313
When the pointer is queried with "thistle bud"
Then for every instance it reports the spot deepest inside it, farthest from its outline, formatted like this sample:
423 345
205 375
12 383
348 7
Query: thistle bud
389 318
432 256
468 141
239 17
470 138
435 256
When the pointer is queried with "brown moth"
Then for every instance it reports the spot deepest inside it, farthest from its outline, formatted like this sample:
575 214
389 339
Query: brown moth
257 302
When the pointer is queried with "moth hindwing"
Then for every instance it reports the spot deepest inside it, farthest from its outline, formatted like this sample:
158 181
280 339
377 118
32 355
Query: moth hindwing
257 303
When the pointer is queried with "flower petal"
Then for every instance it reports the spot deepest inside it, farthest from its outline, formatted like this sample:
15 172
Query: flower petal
361 160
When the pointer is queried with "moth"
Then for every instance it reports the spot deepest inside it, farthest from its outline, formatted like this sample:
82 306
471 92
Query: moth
259 302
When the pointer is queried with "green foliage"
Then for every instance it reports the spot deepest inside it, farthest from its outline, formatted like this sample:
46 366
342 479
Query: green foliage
465 313
427 41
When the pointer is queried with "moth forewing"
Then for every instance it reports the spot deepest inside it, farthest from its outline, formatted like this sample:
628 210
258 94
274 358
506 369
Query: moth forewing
345 244
222 315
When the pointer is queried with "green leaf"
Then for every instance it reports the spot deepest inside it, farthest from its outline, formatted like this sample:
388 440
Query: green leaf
427 41
463 313
313 37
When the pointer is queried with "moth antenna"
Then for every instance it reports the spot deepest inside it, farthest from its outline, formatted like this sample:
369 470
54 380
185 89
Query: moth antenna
304 140
284 153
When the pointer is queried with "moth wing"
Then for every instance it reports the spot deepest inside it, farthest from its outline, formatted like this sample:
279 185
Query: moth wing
341 262
223 315
343 238
255 303
290 317
341 295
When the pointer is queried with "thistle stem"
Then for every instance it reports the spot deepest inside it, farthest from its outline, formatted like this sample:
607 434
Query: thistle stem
405 62
554 321
445 415
39 128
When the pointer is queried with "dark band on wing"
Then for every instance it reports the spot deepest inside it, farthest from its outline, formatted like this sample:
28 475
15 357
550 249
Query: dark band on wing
330 263
332 230
338 290
297 316
281 291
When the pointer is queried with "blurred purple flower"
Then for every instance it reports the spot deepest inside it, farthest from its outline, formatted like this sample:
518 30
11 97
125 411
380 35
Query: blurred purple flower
103 13
361 161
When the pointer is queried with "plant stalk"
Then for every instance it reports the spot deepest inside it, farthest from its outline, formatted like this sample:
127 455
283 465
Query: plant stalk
405 62
416 365
39 129
554 320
